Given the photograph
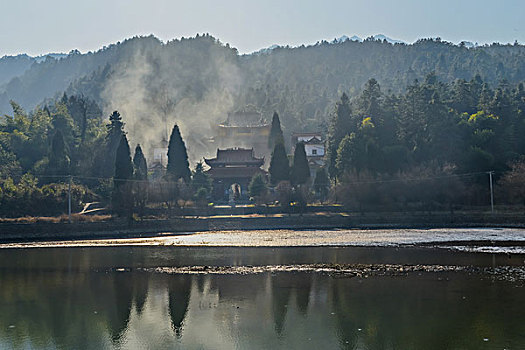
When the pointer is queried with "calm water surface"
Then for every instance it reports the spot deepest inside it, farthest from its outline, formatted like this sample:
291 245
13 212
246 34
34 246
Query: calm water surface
75 298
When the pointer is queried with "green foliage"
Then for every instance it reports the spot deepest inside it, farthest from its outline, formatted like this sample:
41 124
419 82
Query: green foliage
25 197
122 200
105 161
279 165
123 165
257 187
10 165
341 125
276 133
178 165
346 155
448 116
200 179
62 121
58 157
300 171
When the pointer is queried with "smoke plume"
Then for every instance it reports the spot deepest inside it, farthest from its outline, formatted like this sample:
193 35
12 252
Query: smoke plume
192 83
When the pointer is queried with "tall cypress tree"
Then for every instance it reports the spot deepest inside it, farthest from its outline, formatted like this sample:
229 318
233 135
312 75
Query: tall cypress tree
279 166
300 172
276 133
140 165
122 198
140 192
178 165
106 158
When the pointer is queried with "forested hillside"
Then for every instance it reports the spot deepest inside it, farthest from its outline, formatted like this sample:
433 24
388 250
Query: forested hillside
394 116
301 83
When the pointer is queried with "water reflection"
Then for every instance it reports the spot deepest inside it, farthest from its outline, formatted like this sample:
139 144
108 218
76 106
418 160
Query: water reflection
82 305
179 289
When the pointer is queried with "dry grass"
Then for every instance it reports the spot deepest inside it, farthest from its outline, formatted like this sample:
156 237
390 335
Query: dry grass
56 219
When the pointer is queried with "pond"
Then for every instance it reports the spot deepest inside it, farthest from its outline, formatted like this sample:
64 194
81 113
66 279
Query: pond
136 298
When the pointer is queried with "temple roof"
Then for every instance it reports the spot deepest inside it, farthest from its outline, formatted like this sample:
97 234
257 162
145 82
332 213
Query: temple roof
233 157
246 117
313 141
234 172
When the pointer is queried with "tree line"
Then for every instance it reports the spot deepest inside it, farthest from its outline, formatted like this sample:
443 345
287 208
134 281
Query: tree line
42 151
428 147
410 148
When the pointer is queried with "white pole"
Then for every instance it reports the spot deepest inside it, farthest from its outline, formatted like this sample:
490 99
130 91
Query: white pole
491 192
69 199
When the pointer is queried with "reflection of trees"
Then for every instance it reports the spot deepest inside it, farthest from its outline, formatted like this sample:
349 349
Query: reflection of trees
117 299
302 283
64 308
179 298
422 313
237 287
344 314
140 290
65 304
281 286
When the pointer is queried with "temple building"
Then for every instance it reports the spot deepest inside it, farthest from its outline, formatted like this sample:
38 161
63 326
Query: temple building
245 128
231 171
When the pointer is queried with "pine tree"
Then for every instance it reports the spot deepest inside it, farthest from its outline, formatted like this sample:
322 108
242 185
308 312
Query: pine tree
300 172
106 158
370 101
122 198
279 165
178 165
341 125
276 133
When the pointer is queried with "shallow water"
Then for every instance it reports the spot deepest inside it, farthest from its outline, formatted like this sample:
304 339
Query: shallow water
116 298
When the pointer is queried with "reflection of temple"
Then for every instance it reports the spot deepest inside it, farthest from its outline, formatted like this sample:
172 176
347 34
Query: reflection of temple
245 128
232 169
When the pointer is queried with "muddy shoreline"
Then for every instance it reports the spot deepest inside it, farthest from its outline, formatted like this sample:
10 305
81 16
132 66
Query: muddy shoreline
122 229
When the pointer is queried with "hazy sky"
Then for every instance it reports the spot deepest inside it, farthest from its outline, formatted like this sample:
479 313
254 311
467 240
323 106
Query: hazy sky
41 26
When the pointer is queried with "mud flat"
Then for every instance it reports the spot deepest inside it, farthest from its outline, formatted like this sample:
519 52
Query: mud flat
118 229
487 240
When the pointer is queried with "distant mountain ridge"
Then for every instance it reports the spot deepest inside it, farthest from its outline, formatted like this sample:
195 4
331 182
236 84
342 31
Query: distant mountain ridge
339 40
379 37
14 66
